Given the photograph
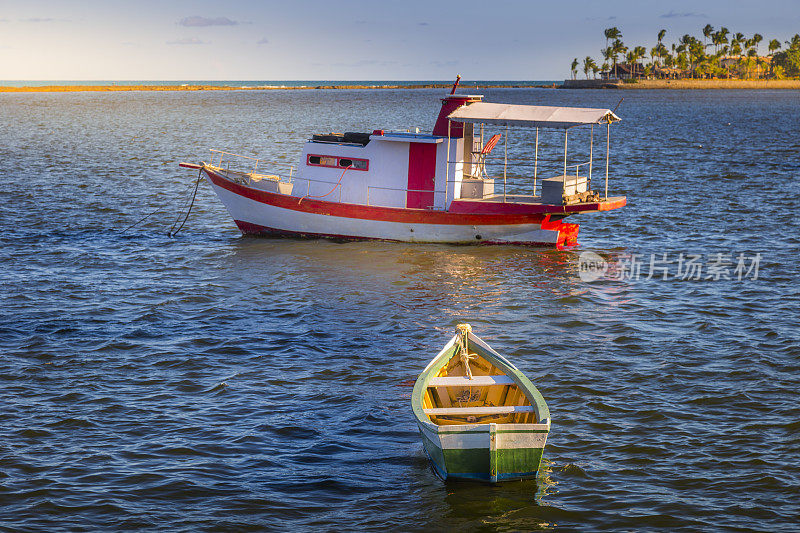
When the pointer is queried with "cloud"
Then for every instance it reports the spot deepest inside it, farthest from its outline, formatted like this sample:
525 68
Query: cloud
37 19
263 41
199 22
673 15
422 24
187 40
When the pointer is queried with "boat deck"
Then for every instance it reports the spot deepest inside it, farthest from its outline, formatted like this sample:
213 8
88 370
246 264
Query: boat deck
511 203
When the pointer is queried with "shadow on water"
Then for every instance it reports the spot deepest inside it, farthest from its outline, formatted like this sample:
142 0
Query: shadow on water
509 506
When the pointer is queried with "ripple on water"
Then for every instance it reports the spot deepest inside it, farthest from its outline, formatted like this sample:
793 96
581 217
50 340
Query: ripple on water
211 381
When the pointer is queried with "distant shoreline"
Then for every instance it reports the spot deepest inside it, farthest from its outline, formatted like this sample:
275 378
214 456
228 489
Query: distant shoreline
682 84
82 88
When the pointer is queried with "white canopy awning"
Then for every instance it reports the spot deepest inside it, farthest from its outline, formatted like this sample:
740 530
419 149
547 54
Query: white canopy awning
532 115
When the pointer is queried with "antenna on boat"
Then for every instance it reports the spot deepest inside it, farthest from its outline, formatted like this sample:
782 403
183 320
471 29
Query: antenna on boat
464 330
455 86
618 103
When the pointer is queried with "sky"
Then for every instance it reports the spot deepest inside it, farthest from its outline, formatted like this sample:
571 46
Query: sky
348 39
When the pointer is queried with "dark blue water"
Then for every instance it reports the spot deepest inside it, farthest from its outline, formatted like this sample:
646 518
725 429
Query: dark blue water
214 382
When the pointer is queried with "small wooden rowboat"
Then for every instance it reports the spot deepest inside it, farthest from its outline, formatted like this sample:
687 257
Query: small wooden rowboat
480 418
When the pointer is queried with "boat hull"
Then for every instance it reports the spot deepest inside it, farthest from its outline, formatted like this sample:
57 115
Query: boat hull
490 452
257 212
468 453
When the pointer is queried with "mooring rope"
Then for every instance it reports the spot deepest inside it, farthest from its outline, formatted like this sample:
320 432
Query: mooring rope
188 212
159 208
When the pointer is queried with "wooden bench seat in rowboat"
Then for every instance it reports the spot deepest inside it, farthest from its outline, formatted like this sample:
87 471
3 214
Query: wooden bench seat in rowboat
480 411
476 381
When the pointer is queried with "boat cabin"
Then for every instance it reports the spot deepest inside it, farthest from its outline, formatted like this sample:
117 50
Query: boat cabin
463 163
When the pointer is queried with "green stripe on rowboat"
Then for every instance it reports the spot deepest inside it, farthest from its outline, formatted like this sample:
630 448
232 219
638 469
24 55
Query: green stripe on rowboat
476 461
434 451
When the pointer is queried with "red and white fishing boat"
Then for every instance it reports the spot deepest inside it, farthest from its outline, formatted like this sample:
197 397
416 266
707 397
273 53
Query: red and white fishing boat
417 187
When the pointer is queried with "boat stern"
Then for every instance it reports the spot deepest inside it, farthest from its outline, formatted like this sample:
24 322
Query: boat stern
486 452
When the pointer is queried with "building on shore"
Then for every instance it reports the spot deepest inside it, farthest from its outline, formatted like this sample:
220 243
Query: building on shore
624 71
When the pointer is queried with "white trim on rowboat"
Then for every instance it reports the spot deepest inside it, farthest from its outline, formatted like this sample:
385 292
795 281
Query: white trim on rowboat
499 410
476 381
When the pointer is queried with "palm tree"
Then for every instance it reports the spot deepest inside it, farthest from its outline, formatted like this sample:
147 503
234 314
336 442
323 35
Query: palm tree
639 53
617 48
707 32
655 52
659 47
696 53
612 34
574 68
751 53
685 41
739 40
630 58
662 53
735 50
607 57
721 37
588 64
774 45
757 38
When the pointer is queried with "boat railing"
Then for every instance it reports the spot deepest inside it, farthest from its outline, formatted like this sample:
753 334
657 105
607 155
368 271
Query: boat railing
336 186
481 160
557 167
224 160
400 189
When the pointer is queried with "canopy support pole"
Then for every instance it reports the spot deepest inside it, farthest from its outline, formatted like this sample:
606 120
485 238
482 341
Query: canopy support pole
608 142
536 161
591 157
482 168
447 168
505 163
